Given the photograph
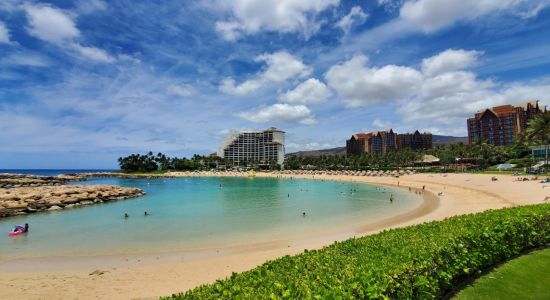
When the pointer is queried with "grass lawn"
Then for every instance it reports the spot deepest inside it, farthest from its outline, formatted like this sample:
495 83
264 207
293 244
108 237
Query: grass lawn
525 277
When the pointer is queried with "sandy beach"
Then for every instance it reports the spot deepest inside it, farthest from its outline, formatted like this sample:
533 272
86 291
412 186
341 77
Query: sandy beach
152 275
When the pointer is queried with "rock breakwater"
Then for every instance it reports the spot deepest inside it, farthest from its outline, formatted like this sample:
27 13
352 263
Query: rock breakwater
23 200
8 180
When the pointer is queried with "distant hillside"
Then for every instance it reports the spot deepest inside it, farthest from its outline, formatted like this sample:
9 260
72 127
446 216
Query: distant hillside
446 139
315 153
437 140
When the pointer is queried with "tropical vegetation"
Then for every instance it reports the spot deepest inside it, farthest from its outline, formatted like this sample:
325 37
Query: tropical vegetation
160 162
418 262
539 131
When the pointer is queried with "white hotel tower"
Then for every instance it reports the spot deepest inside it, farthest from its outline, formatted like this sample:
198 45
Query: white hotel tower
262 147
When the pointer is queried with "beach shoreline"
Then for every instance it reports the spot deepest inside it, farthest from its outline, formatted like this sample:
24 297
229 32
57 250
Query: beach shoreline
146 276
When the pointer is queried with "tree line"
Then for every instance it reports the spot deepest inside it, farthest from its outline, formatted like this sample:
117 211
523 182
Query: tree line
151 162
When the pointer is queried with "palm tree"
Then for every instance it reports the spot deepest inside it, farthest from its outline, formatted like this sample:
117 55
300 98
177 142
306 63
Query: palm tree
539 131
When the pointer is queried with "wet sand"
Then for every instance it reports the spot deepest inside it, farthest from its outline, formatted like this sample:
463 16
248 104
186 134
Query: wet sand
151 275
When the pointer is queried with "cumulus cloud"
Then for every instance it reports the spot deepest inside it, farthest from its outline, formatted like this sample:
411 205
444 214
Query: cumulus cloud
56 26
181 90
356 14
360 85
4 34
280 67
442 93
285 16
449 60
431 15
50 24
280 113
309 91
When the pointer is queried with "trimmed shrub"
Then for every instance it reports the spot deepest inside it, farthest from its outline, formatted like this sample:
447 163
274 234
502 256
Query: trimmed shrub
420 262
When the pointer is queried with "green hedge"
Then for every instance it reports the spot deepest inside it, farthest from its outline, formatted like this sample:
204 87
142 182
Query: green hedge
422 261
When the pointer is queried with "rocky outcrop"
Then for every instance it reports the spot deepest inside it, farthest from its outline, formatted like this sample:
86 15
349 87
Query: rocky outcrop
23 200
21 180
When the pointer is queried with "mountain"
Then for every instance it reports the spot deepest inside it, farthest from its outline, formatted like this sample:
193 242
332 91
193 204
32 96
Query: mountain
315 153
447 139
436 140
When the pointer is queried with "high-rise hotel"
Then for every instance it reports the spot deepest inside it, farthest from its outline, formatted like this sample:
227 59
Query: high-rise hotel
260 147
501 124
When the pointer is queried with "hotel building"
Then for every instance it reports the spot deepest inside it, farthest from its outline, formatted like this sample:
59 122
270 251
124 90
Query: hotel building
415 140
500 124
383 141
260 147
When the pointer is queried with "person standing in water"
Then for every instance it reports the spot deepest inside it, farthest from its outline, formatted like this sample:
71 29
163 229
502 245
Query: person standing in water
126 216
391 198
145 213
26 227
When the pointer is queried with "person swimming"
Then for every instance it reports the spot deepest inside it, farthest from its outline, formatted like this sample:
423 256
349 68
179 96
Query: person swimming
126 216
145 213
303 214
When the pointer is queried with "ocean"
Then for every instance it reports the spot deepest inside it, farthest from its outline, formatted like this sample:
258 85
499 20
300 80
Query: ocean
201 213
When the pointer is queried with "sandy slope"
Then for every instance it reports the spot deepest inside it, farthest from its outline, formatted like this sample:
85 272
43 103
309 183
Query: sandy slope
148 276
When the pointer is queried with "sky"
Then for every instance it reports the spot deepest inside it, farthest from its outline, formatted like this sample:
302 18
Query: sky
85 82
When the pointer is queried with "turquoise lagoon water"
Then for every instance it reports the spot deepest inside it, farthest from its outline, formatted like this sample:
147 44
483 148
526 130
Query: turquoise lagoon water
195 213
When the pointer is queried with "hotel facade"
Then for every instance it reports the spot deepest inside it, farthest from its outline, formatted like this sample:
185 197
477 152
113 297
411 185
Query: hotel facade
499 125
260 147
384 141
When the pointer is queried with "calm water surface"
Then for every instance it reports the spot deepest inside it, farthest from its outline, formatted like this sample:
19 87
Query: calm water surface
195 213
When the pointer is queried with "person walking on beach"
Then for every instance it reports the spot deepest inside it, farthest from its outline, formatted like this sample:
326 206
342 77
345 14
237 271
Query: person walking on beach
423 187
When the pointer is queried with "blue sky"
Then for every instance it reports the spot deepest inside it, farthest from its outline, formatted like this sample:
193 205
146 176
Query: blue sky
84 82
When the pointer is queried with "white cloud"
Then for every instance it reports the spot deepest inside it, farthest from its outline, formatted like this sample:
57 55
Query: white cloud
280 113
359 85
55 26
380 124
285 16
228 30
25 59
309 91
534 9
93 53
356 14
281 66
90 6
431 15
50 24
449 60
442 94
4 34
181 90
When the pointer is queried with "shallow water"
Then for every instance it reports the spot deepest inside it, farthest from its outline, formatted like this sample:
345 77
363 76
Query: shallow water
197 213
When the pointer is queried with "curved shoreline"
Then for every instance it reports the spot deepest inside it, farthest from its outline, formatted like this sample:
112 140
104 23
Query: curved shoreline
315 239
462 194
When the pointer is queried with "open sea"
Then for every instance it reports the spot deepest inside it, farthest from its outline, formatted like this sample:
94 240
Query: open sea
200 213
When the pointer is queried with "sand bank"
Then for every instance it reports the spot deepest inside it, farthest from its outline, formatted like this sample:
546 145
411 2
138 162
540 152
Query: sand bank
148 276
